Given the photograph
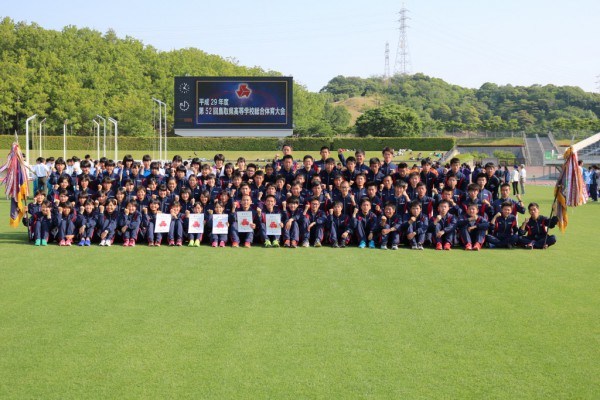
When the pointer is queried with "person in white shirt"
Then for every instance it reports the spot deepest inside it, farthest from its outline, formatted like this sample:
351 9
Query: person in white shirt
41 171
514 179
522 178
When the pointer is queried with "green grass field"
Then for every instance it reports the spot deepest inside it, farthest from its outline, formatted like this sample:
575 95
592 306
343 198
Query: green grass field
307 323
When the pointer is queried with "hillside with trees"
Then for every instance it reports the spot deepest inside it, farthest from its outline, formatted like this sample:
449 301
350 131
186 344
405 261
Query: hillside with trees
78 73
443 107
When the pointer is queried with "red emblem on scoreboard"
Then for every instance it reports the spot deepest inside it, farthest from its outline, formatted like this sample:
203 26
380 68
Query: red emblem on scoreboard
243 90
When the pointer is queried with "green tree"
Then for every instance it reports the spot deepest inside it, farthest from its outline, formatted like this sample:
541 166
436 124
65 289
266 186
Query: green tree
390 120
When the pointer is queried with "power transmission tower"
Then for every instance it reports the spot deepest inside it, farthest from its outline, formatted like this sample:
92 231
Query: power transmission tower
402 64
386 71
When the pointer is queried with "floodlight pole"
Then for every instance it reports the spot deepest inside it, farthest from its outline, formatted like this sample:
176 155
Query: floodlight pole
98 132
160 128
65 140
27 137
41 123
103 120
116 123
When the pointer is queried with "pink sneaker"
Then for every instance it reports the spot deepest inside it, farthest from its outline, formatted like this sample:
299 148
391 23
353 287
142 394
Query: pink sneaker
131 243
62 243
214 244
222 244
68 242
126 243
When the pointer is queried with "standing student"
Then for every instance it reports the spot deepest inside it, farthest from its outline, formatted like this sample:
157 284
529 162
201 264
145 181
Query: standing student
514 180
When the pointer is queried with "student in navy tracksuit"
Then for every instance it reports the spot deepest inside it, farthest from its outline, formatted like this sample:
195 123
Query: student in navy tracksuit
217 239
269 207
534 231
341 226
247 237
107 222
175 236
444 227
415 226
504 228
517 205
484 208
64 222
472 228
365 222
129 223
194 238
149 223
43 224
314 224
346 199
292 219
388 228
86 223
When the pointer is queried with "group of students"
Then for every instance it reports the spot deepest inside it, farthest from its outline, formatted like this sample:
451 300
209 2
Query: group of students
314 203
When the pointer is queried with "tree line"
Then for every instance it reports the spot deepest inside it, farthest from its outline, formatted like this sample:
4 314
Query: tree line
77 73
443 107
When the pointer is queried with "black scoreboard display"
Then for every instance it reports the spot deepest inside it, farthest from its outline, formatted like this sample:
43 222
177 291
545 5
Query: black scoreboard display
233 106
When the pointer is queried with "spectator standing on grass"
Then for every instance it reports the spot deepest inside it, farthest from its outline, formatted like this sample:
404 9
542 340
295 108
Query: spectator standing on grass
514 180
594 177
522 178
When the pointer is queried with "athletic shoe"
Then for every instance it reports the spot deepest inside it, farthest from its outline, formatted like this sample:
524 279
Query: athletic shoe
383 247
447 246
150 244
371 244
44 242
317 243
157 243
171 243
415 247
275 243
68 242
306 243
294 244
191 243
126 243
197 243
179 243
420 247
88 242
286 243
214 244
131 243
477 246
37 242
468 246
108 243
343 243
394 247
439 246
235 244
268 243
335 245
247 245
222 244
362 244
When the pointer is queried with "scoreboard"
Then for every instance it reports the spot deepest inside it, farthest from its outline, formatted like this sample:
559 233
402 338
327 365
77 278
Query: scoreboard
233 106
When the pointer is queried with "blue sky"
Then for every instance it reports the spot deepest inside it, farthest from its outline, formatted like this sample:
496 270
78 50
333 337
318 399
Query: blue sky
464 42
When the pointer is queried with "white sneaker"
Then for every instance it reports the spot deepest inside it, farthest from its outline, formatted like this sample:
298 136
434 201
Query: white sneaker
108 243
103 242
